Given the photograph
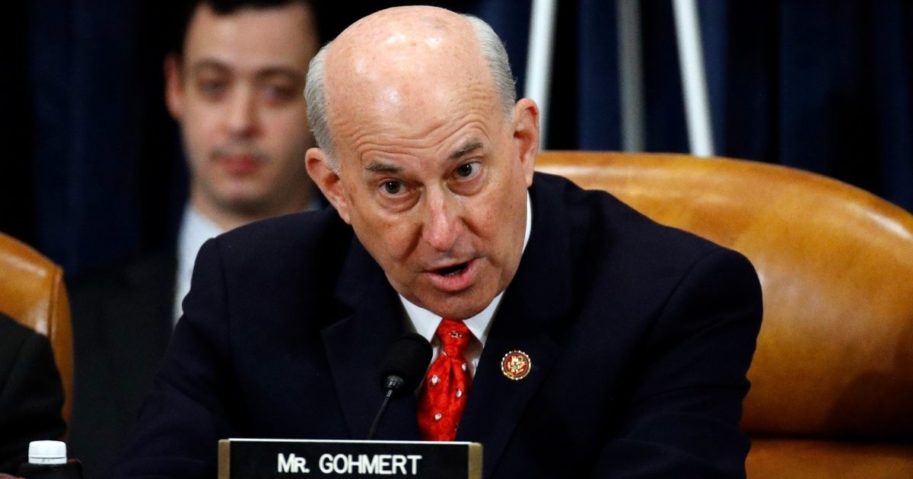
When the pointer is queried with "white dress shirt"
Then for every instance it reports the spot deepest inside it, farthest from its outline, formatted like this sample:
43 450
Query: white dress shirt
195 230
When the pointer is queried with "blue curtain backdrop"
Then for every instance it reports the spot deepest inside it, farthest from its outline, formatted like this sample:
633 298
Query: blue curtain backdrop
95 173
104 166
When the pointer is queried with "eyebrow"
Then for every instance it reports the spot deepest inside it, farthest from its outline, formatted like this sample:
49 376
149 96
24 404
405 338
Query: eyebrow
465 150
381 167
204 65
280 72
262 74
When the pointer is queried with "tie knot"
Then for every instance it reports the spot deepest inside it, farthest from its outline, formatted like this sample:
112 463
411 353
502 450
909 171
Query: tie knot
454 337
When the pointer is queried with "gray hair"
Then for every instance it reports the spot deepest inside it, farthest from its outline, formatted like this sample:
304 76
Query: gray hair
492 50
316 97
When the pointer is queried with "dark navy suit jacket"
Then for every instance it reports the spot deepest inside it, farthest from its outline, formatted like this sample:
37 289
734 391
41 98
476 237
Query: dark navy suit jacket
121 323
640 337
31 394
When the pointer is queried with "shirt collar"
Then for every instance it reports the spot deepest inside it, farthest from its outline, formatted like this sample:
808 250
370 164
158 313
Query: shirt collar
195 230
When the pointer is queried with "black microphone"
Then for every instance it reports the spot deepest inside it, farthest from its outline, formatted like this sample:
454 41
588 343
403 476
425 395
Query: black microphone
402 370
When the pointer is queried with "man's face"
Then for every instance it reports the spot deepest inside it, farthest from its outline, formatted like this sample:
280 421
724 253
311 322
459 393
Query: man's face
433 180
237 94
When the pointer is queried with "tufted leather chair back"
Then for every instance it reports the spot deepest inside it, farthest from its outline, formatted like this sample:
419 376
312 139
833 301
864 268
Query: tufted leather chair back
832 378
32 292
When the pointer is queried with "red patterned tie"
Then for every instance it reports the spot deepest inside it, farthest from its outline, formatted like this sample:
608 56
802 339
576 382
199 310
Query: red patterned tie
446 383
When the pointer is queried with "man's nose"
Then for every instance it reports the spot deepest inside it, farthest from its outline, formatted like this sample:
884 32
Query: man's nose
443 222
242 114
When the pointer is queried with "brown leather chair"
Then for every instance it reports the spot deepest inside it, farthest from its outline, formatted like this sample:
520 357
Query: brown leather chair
32 292
832 378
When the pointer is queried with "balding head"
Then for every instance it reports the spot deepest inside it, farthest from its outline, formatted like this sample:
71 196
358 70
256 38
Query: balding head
429 157
388 57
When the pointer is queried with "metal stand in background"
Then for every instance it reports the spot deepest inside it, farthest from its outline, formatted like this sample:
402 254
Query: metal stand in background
539 60
694 80
691 63
630 76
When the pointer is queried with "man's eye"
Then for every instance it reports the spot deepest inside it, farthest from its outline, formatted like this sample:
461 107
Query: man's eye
467 170
277 94
392 187
211 88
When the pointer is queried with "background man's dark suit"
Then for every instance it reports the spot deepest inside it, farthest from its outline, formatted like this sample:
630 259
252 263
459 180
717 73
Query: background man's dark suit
121 324
640 337
30 393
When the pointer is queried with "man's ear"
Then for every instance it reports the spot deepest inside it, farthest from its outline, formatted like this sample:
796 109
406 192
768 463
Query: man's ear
526 135
174 86
326 177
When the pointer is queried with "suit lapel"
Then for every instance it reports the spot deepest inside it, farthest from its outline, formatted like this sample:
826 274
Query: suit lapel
356 345
529 319
496 403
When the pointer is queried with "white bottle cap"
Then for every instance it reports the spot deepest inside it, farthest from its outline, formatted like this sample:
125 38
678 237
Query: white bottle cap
47 452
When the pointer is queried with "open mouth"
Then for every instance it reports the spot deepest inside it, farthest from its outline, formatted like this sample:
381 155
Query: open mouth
455 277
452 270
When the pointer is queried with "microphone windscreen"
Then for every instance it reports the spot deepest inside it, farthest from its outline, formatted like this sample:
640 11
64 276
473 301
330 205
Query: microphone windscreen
408 360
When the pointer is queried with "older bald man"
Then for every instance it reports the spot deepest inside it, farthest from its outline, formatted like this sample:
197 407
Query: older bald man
573 337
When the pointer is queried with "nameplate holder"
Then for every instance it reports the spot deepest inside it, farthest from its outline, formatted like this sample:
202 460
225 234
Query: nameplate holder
292 458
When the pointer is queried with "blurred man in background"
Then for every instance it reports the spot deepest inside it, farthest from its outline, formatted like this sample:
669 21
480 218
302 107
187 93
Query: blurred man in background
235 86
